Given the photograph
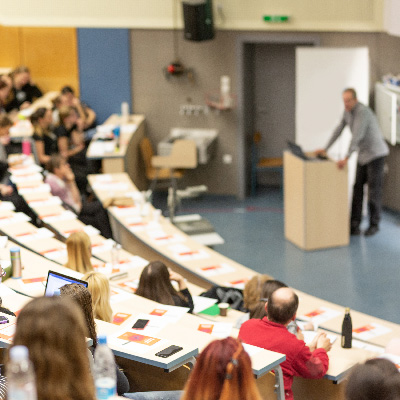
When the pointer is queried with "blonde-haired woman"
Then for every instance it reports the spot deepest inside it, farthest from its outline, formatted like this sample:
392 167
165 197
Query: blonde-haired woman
79 251
99 288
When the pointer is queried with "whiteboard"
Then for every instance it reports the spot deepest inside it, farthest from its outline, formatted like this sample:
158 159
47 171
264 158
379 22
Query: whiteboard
321 76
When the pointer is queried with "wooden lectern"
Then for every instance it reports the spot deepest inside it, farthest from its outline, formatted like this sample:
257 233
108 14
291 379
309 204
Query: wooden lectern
315 203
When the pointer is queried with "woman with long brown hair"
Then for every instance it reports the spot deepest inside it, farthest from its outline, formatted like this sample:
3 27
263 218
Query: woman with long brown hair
155 284
222 372
54 332
83 299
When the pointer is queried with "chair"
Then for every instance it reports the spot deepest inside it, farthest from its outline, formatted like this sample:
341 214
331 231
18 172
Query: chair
262 164
183 156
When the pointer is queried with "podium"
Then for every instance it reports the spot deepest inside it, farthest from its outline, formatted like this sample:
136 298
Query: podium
315 203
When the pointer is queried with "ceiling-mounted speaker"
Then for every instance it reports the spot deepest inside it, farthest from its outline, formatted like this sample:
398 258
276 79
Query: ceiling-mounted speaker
198 20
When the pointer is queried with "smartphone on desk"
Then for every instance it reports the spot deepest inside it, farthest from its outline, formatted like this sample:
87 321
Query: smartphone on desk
140 324
169 351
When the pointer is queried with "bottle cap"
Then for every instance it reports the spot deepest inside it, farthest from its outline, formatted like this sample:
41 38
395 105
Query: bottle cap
19 353
102 339
14 249
347 310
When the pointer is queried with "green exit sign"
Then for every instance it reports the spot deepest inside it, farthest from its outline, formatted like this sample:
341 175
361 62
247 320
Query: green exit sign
276 18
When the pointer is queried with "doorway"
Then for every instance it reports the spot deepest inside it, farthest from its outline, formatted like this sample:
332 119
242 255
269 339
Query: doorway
266 98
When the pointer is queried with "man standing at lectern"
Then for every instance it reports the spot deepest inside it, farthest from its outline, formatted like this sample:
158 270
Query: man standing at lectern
368 140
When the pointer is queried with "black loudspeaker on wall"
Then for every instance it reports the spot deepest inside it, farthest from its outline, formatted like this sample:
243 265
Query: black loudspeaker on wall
198 20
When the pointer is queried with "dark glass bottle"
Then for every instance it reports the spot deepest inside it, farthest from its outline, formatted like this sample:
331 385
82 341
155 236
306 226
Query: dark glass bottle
347 330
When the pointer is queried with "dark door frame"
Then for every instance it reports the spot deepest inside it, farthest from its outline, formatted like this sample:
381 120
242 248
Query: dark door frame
245 91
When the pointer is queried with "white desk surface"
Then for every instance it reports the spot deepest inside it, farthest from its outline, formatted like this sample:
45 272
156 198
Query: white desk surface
141 228
186 330
198 257
125 137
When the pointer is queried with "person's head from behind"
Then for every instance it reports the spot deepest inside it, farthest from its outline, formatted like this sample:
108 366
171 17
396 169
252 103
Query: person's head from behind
154 283
222 372
83 299
20 76
79 249
68 116
349 99
99 288
268 287
54 332
376 379
42 117
252 290
58 165
5 125
282 306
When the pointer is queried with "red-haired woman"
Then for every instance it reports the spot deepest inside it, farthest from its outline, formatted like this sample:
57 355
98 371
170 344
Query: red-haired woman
222 372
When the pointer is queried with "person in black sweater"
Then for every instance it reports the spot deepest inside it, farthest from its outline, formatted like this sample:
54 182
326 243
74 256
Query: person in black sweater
23 92
155 284
45 140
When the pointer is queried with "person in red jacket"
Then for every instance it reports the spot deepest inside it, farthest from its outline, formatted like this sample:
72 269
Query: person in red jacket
271 333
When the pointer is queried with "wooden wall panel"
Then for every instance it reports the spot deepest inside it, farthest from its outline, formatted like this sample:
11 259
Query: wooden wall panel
52 56
9 47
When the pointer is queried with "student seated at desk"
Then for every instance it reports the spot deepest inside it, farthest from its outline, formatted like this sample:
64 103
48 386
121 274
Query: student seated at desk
271 333
79 249
62 184
71 144
45 140
5 88
87 115
155 284
23 91
8 191
223 371
54 332
99 288
82 297
376 379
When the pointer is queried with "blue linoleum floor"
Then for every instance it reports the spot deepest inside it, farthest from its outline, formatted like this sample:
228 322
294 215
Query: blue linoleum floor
364 276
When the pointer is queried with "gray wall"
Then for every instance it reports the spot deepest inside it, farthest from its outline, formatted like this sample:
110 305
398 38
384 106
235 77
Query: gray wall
159 99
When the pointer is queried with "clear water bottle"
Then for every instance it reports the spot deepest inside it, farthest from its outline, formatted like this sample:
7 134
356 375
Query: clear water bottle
20 374
105 377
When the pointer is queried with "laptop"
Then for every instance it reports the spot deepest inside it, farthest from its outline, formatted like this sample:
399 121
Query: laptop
55 280
298 151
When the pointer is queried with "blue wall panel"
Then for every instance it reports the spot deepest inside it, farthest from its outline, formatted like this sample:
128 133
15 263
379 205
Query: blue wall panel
104 70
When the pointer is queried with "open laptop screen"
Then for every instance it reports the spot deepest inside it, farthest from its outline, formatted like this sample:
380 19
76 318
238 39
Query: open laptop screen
55 280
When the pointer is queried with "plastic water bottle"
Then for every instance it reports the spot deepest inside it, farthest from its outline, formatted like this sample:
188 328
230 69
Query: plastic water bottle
105 377
20 375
